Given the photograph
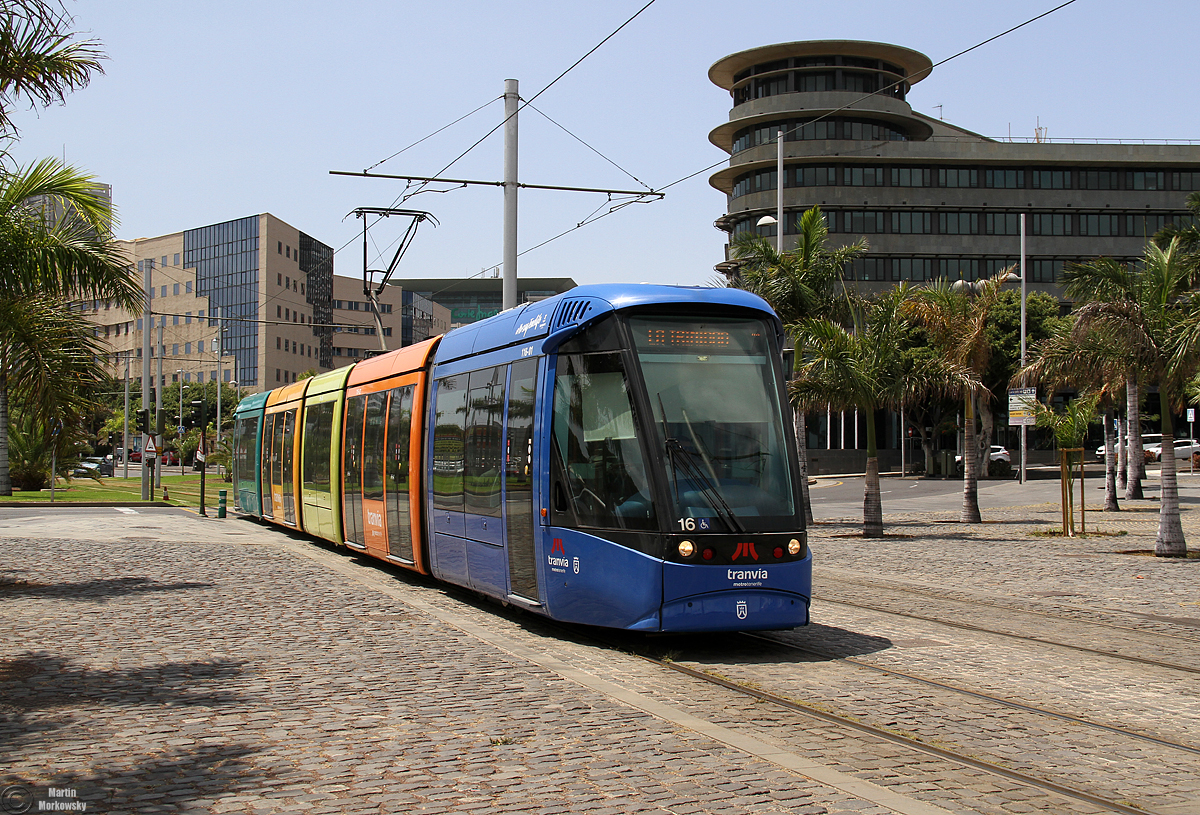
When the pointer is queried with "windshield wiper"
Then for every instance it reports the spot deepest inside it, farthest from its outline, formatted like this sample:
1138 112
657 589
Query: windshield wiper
682 459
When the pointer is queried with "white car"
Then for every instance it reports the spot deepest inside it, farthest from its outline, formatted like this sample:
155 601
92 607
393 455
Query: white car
996 453
1148 440
1184 449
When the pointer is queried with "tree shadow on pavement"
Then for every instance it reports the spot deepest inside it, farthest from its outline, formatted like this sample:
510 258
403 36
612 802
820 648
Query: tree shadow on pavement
100 589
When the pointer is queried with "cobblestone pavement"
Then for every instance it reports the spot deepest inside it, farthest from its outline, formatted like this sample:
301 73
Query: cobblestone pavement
157 662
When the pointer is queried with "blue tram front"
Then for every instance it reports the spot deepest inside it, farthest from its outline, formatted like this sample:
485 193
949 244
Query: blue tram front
644 472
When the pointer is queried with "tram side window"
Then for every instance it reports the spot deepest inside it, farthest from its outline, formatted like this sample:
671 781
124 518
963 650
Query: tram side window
268 455
243 455
448 463
318 435
482 442
372 457
352 470
399 426
596 438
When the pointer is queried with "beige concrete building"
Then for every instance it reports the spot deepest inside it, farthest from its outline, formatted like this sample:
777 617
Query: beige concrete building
251 301
407 318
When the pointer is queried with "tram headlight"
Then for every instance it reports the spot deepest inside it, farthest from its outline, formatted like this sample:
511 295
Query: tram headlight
687 548
793 547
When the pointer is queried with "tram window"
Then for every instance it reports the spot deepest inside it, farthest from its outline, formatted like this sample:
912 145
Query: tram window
352 470
399 426
448 464
595 434
318 434
482 442
372 457
244 455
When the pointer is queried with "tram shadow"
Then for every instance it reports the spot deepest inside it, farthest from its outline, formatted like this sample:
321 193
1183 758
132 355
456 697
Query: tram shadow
812 643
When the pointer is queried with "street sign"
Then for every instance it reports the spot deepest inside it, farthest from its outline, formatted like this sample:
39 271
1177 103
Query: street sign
1191 415
150 451
1020 406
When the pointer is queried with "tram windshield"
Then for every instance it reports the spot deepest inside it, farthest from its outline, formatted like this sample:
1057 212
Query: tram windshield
716 421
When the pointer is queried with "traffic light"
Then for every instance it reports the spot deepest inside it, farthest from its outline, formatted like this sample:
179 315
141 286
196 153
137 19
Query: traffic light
143 421
160 423
200 413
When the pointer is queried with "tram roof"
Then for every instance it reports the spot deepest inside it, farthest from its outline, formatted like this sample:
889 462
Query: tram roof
401 361
287 393
254 401
567 312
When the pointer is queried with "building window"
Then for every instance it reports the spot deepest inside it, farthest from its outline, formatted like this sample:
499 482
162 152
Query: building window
287 282
302 288
200 346
278 312
286 345
1046 223
958 223
175 349
139 323
1002 223
174 319
1100 225
910 177
279 342
187 348
164 291
863 176
279 249
912 223
287 314
287 252
954 177
276 374
1051 179
187 286
175 289
177 262
187 318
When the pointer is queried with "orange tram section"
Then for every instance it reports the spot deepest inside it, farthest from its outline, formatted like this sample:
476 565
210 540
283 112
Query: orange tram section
616 455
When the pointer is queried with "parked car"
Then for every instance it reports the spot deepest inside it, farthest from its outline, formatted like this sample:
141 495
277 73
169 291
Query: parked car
135 457
170 457
1148 440
997 452
93 465
1184 449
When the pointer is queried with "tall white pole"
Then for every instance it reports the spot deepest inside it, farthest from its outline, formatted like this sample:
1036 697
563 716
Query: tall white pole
125 428
220 350
1024 442
779 193
147 330
511 102
158 389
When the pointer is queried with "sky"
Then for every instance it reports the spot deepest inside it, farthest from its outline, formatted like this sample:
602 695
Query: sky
212 111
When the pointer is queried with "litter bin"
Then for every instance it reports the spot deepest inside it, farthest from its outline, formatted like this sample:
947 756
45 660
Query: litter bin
946 463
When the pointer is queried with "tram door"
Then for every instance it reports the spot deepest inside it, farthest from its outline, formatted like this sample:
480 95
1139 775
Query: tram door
518 480
352 471
286 451
399 520
265 460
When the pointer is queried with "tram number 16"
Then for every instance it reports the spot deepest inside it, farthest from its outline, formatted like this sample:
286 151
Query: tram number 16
687 524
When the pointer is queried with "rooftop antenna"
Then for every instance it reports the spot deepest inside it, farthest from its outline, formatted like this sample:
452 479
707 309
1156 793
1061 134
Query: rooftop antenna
372 291
939 110
1039 132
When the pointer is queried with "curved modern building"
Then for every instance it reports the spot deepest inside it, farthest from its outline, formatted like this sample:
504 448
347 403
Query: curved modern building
933 199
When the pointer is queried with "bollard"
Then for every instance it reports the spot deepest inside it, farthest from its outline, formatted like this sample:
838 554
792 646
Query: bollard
220 503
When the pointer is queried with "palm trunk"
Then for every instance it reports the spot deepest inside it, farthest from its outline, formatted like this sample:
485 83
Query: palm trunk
872 503
1122 456
5 476
1110 463
1136 470
970 508
987 423
801 423
1170 541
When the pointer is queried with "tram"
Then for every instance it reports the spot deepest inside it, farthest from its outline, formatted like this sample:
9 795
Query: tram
617 455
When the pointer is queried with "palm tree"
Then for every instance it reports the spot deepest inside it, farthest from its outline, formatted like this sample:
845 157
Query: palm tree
868 369
1155 320
805 282
71 255
1070 427
1089 360
41 60
956 317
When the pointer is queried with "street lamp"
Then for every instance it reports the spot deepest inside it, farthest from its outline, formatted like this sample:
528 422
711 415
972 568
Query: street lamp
1014 277
179 382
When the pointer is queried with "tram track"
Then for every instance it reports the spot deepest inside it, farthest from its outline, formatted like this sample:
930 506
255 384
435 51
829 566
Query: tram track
1013 608
1010 635
909 742
997 700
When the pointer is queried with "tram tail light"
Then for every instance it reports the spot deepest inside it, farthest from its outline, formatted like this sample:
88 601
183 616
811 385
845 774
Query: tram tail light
778 552
707 554
793 547
687 548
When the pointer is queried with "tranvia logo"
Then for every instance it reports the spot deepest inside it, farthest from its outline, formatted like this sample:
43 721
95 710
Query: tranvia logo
557 546
747 574
745 548
742 610
536 323
575 565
